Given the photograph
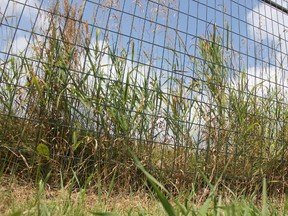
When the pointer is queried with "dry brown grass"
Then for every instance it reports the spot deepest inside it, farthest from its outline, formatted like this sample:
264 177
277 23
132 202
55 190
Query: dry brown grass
17 195
14 192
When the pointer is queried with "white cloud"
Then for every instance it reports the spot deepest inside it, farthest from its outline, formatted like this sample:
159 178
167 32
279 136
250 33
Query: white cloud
270 78
267 22
19 45
10 8
268 25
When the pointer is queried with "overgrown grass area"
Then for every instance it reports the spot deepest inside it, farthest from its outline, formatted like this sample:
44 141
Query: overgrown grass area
22 198
71 108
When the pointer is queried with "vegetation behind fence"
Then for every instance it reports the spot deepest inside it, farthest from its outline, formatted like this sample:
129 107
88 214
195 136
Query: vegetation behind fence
192 88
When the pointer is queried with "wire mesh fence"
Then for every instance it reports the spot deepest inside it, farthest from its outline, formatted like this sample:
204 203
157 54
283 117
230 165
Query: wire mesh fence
189 86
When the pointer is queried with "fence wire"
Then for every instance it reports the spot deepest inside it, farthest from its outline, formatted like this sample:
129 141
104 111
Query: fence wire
187 85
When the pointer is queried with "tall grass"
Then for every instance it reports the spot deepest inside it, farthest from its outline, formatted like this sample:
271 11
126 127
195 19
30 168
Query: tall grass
68 110
68 201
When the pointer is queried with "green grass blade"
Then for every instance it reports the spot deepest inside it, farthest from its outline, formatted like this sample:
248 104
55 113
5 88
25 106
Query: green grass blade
182 208
164 201
104 213
156 185
205 207
112 183
147 174
264 198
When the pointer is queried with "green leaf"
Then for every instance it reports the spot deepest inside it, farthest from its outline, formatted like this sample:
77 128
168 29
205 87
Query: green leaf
43 150
76 142
18 213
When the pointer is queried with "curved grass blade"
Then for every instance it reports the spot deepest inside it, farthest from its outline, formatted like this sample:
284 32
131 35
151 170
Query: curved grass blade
156 186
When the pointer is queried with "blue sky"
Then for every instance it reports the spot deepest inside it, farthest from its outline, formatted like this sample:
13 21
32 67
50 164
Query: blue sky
193 17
